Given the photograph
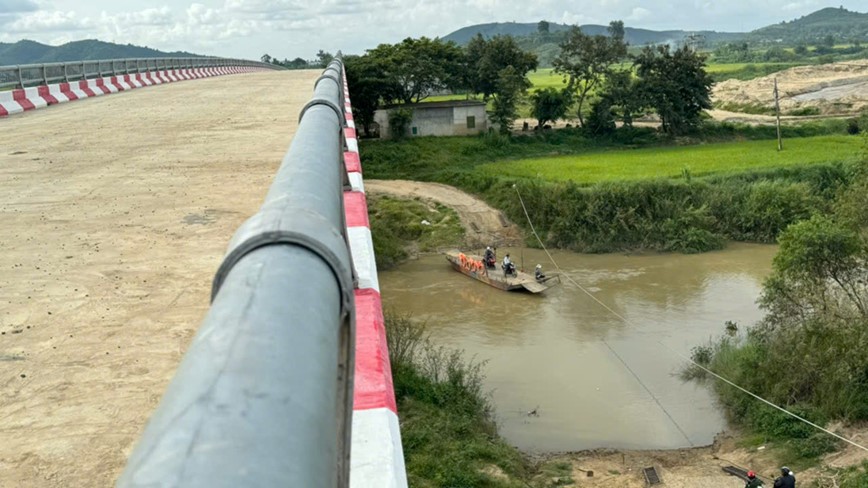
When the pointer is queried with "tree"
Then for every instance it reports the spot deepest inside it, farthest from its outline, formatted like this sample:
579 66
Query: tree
801 50
549 104
622 93
324 58
601 121
676 85
265 58
819 270
585 60
366 79
829 41
297 63
486 59
542 27
511 86
416 67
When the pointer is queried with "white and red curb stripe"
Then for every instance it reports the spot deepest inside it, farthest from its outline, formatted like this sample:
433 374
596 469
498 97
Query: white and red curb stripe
22 100
377 459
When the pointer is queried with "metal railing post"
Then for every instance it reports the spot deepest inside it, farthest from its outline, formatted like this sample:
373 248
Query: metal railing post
264 395
14 76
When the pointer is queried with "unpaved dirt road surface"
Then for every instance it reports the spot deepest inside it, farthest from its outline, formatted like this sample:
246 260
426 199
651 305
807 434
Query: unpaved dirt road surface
837 88
483 224
702 466
114 215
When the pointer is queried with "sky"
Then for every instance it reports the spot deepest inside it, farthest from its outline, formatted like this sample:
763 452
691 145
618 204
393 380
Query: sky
299 28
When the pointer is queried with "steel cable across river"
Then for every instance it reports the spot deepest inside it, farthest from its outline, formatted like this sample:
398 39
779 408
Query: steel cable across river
548 351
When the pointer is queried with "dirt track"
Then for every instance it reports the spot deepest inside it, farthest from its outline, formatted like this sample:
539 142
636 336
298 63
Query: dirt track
483 224
115 214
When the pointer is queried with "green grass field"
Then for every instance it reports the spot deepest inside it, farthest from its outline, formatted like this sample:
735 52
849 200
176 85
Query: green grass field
668 162
545 78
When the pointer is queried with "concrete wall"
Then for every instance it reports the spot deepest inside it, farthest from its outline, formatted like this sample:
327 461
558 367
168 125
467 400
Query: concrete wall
439 121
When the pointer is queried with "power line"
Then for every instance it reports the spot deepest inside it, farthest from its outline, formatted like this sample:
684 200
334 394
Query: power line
623 319
615 353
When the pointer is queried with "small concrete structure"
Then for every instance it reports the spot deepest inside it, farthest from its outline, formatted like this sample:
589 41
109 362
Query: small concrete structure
451 118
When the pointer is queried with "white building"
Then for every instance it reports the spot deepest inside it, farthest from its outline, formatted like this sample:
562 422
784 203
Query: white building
452 118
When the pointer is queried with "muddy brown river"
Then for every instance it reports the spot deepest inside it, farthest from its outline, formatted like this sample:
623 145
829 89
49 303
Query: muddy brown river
594 380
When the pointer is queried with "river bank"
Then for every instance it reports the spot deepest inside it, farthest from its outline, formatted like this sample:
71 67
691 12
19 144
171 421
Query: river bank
619 467
703 466
634 191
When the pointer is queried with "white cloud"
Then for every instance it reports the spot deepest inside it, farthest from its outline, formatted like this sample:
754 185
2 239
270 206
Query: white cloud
290 28
639 13
49 21
149 17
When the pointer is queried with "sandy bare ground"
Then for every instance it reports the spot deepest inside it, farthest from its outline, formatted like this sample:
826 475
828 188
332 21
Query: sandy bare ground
115 213
483 224
836 88
702 466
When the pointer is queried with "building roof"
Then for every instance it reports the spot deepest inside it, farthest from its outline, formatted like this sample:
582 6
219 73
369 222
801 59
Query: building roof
443 104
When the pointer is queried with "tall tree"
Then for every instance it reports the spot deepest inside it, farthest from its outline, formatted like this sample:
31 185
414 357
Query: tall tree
549 104
324 58
486 59
543 27
511 87
585 60
620 91
676 85
418 67
369 86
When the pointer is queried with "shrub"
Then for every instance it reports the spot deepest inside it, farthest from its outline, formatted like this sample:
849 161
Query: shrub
448 432
399 122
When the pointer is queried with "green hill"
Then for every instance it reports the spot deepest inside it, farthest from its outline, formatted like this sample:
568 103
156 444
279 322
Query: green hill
634 36
845 26
842 24
31 52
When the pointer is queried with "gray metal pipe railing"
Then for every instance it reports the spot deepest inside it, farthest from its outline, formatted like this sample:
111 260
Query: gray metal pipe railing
26 75
263 397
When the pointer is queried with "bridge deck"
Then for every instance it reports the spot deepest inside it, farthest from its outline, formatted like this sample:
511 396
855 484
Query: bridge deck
116 212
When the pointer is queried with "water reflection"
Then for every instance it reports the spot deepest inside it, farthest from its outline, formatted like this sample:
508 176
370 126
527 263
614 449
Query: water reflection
549 350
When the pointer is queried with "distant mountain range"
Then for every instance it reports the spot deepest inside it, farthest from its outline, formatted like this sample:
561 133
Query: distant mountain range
844 25
634 36
32 52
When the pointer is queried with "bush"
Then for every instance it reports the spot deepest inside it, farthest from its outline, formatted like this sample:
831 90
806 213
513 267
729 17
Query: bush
397 225
399 122
806 355
857 125
803 111
448 431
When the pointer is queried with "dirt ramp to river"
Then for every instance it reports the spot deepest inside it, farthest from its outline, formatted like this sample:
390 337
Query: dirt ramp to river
483 224
837 88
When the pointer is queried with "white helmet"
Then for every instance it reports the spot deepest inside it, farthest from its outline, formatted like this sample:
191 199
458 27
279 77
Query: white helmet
488 248
538 266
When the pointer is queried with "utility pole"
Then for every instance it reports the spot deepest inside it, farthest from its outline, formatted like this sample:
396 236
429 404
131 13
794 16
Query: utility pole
778 116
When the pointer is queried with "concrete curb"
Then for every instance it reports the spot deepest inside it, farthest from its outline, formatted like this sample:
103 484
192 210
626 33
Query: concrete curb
24 99
377 458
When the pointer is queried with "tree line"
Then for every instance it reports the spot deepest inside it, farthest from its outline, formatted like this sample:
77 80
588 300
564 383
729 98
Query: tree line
323 58
603 84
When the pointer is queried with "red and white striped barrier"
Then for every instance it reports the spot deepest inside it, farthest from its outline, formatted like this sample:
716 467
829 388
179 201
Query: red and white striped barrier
21 100
377 458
